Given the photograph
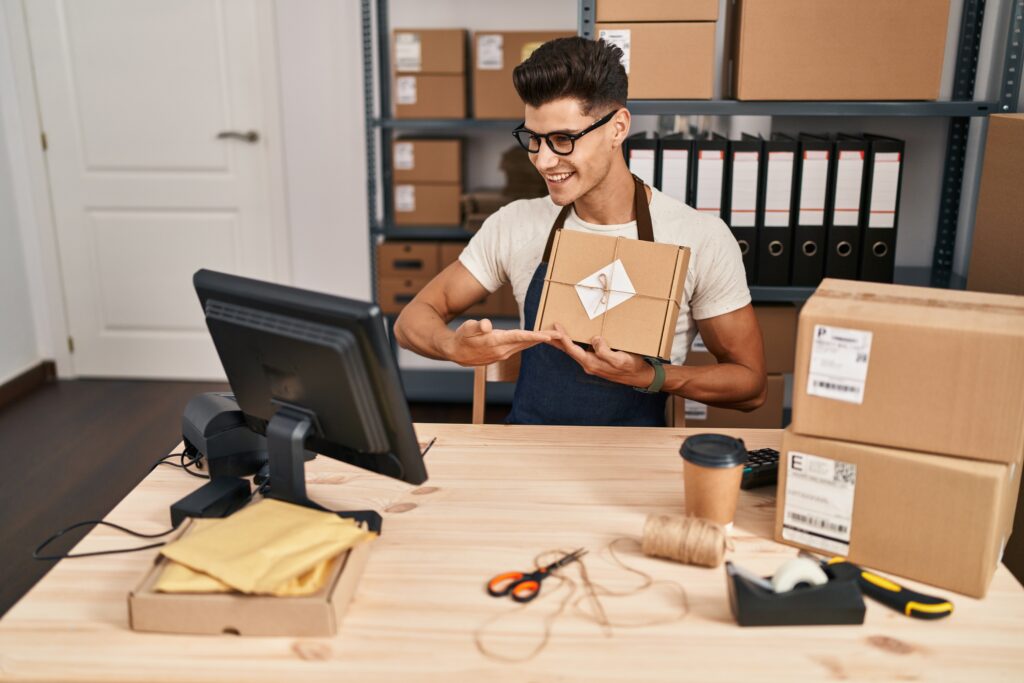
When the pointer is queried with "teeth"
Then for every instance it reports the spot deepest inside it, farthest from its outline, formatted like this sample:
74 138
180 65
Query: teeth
557 178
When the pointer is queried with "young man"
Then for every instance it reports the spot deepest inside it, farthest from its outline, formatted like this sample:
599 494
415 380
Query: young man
576 122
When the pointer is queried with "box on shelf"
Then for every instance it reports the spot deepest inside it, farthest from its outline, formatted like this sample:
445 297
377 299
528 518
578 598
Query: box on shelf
839 50
495 55
768 416
625 290
940 520
998 241
430 96
407 259
778 329
427 161
431 51
665 61
478 206
393 293
427 204
657 10
931 370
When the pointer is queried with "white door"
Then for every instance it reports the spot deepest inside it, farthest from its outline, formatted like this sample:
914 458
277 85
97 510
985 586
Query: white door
133 95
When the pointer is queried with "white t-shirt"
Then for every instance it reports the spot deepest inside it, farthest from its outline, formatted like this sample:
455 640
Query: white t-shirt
509 247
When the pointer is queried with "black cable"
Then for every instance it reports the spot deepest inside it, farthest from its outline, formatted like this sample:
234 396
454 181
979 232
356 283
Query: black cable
95 522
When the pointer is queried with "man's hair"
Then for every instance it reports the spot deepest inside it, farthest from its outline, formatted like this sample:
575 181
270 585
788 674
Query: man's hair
589 71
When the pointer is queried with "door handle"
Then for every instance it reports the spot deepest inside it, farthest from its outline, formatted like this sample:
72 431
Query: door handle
250 136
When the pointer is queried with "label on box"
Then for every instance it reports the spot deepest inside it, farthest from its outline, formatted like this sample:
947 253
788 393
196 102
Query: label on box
405 90
408 53
490 52
620 38
818 508
405 156
839 363
602 291
405 198
695 410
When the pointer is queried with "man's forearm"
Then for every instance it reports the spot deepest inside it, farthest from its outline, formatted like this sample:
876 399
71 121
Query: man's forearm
421 329
725 385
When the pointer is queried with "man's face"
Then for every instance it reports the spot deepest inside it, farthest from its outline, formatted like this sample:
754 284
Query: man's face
571 176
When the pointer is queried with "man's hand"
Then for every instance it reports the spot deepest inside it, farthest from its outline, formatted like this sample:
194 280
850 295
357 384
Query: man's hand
614 366
476 342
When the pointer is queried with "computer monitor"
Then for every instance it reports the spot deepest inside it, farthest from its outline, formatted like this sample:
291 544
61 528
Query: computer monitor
311 371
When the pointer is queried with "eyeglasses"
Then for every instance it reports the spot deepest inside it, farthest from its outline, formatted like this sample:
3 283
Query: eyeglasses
562 144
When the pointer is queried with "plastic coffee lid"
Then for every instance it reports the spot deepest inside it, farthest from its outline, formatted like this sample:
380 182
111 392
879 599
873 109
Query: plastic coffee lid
714 450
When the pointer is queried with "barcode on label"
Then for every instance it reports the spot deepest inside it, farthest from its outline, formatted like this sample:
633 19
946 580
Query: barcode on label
834 386
817 522
845 473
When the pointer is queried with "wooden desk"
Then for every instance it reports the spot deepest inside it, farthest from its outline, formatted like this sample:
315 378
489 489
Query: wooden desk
502 495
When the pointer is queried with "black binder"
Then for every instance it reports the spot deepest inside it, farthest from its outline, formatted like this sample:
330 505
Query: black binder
882 183
708 189
743 179
642 157
811 212
775 243
675 164
842 253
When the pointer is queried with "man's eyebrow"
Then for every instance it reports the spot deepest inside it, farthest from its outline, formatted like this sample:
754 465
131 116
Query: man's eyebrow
565 131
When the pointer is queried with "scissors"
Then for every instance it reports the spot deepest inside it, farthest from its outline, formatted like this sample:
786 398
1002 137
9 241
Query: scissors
524 586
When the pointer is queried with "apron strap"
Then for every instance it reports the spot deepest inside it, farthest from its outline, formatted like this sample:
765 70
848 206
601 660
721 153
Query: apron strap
644 226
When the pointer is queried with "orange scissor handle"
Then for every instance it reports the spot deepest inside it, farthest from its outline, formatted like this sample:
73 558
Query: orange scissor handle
524 591
503 584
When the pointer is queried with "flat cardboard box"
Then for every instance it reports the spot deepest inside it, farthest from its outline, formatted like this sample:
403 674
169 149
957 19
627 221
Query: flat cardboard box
778 329
309 616
768 416
393 293
942 372
495 55
666 60
430 96
998 242
427 161
657 10
643 323
943 521
839 50
408 259
427 204
431 51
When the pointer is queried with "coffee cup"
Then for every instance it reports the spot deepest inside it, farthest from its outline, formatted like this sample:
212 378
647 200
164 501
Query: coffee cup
712 470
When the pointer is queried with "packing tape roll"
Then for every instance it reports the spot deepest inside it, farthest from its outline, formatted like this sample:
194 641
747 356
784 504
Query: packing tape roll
795 572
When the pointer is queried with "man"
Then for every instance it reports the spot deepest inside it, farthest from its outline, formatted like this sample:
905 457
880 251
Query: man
574 91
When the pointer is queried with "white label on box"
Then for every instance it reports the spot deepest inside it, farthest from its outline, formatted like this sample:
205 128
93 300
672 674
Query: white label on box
620 38
408 53
405 90
695 410
745 166
405 156
641 163
839 363
813 184
405 198
885 185
849 177
818 509
605 289
698 344
675 177
778 189
490 52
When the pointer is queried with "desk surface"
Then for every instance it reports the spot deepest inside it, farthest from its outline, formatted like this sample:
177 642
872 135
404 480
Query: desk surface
497 496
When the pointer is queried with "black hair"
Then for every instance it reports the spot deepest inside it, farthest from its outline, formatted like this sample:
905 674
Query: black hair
589 71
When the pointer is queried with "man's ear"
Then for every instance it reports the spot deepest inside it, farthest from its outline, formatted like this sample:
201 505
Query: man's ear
620 125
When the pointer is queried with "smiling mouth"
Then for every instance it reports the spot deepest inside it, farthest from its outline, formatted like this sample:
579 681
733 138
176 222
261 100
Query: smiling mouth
558 178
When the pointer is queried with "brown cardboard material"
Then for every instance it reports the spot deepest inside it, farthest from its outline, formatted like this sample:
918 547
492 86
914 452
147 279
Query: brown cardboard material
644 324
495 55
407 259
944 371
314 615
430 96
432 51
501 303
778 329
920 516
657 10
840 50
427 161
666 60
393 293
998 241
427 204
478 206
768 416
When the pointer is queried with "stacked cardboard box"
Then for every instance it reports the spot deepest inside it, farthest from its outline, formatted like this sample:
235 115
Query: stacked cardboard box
429 73
908 430
427 182
495 55
668 45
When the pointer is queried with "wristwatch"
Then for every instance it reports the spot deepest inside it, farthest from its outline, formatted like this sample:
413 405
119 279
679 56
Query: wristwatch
659 377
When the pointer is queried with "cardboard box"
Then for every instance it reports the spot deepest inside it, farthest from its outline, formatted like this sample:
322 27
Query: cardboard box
625 290
314 615
408 259
940 520
393 293
431 51
657 10
427 161
427 204
478 207
778 328
500 304
998 242
839 50
430 96
667 60
495 55
932 370
768 416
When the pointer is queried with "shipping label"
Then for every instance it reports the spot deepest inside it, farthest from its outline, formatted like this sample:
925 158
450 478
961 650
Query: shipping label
405 90
405 156
818 509
490 52
839 363
405 198
408 52
621 38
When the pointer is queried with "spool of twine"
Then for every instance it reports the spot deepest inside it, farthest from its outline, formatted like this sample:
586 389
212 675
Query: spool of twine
690 540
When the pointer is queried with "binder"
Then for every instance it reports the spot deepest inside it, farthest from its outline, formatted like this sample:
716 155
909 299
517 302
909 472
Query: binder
709 174
812 204
743 180
642 157
775 243
842 253
675 161
882 181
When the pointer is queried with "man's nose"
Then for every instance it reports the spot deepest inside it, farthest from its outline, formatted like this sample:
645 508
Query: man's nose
545 159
